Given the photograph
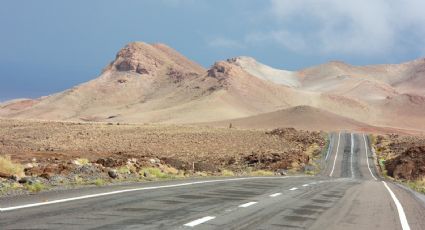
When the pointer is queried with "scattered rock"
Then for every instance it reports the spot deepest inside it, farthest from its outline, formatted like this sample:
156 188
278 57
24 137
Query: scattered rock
5 175
178 164
281 172
141 70
409 165
110 162
154 161
26 180
205 167
113 174
30 165
15 178
46 176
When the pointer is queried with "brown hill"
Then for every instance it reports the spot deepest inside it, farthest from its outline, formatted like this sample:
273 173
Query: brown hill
154 83
299 117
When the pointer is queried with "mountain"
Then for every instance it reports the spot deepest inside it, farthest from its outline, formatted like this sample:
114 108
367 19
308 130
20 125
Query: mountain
154 83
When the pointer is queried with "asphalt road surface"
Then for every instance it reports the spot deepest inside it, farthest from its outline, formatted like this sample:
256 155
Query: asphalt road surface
348 194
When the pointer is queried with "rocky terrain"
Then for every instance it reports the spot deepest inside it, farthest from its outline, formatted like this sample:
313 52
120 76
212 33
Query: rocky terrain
152 83
49 155
402 158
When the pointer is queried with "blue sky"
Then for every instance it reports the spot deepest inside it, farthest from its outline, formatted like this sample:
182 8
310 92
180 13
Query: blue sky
47 45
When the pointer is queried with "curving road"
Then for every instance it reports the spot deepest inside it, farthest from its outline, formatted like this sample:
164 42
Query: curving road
348 194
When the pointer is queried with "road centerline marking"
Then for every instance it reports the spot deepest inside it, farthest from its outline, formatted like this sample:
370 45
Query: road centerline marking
367 158
199 221
275 194
400 210
293 189
336 154
247 204
305 185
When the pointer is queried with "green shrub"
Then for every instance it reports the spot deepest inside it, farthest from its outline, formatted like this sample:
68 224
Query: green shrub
35 187
123 170
99 182
154 173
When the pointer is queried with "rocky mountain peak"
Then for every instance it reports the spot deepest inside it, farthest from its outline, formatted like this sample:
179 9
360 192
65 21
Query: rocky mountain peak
221 70
138 57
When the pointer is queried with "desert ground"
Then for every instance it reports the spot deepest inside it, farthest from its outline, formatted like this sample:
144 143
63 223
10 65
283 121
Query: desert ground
68 153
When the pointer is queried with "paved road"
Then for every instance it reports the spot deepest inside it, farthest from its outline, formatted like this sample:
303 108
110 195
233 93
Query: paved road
347 195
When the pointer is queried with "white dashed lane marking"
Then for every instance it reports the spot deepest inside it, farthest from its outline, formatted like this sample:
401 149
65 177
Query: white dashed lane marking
247 204
133 190
199 221
275 194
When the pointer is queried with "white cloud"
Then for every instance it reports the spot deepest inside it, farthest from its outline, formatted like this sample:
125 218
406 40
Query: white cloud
222 42
360 27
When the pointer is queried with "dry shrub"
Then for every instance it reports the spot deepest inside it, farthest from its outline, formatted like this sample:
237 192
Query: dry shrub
7 167
261 173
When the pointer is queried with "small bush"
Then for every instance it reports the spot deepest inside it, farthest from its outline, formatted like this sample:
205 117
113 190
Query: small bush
261 173
99 182
154 173
170 170
82 161
35 187
10 186
313 150
226 172
9 168
201 174
78 180
124 170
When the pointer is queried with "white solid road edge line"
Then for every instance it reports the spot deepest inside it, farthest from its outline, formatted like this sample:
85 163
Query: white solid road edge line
247 204
133 190
275 194
352 153
367 158
400 210
336 154
329 147
199 221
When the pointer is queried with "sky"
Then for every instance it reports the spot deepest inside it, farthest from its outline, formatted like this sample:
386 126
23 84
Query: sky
47 46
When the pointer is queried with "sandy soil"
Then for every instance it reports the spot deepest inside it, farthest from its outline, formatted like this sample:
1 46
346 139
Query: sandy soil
179 146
